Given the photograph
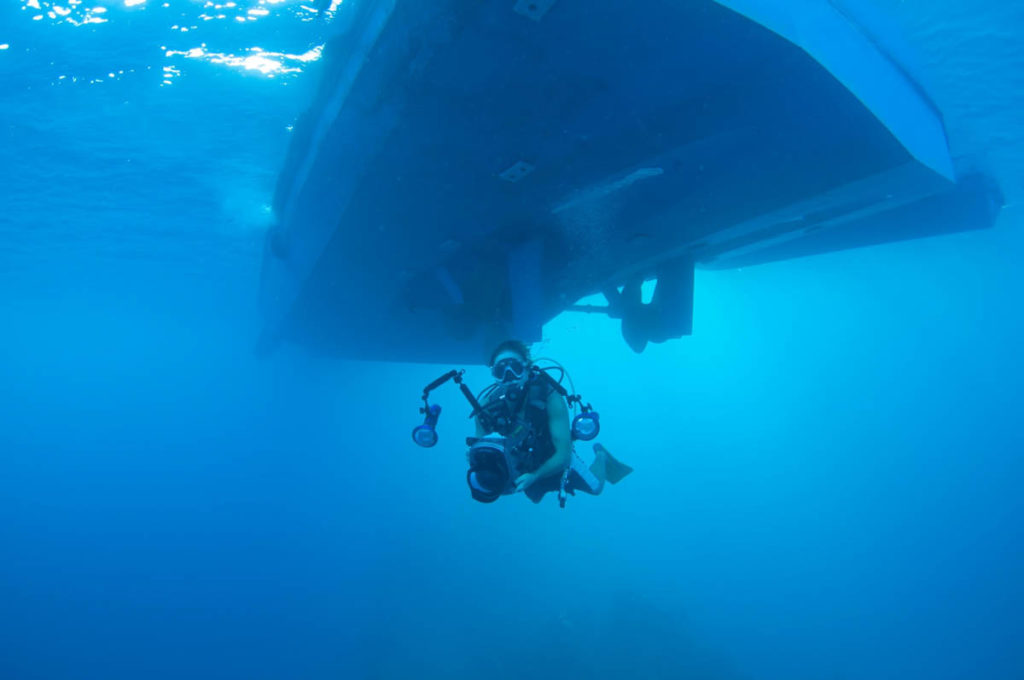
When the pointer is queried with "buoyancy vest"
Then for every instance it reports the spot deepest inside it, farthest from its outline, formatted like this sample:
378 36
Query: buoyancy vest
524 425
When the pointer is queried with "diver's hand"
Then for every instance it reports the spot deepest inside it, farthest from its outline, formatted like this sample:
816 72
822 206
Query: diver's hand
524 481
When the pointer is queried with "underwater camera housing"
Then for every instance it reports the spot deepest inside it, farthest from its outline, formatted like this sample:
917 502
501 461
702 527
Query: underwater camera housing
491 471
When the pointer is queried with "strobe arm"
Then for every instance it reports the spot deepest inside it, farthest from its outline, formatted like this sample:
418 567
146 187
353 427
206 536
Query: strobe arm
425 435
450 375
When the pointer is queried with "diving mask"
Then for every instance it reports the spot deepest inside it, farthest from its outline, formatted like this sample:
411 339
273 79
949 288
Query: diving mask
509 369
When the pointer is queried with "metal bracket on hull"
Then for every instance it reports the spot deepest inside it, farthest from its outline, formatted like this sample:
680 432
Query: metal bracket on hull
667 316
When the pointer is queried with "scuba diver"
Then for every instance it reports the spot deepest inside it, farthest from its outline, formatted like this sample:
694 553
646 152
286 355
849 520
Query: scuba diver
524 435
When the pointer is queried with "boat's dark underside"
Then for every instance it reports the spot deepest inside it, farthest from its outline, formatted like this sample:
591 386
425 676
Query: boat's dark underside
470 170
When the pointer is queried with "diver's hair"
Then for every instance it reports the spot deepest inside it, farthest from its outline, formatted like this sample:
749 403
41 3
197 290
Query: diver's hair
517 346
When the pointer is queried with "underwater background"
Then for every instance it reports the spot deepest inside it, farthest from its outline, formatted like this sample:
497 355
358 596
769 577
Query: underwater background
828 473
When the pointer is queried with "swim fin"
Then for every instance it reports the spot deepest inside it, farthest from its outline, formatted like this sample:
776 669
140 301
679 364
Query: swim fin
615 471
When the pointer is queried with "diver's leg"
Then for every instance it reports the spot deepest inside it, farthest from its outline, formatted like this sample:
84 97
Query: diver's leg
600 464
587 479
605 468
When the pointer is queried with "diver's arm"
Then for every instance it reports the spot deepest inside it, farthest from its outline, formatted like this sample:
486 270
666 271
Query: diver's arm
558 422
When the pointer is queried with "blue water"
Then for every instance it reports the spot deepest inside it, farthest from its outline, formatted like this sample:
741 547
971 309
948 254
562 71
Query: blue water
828 472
